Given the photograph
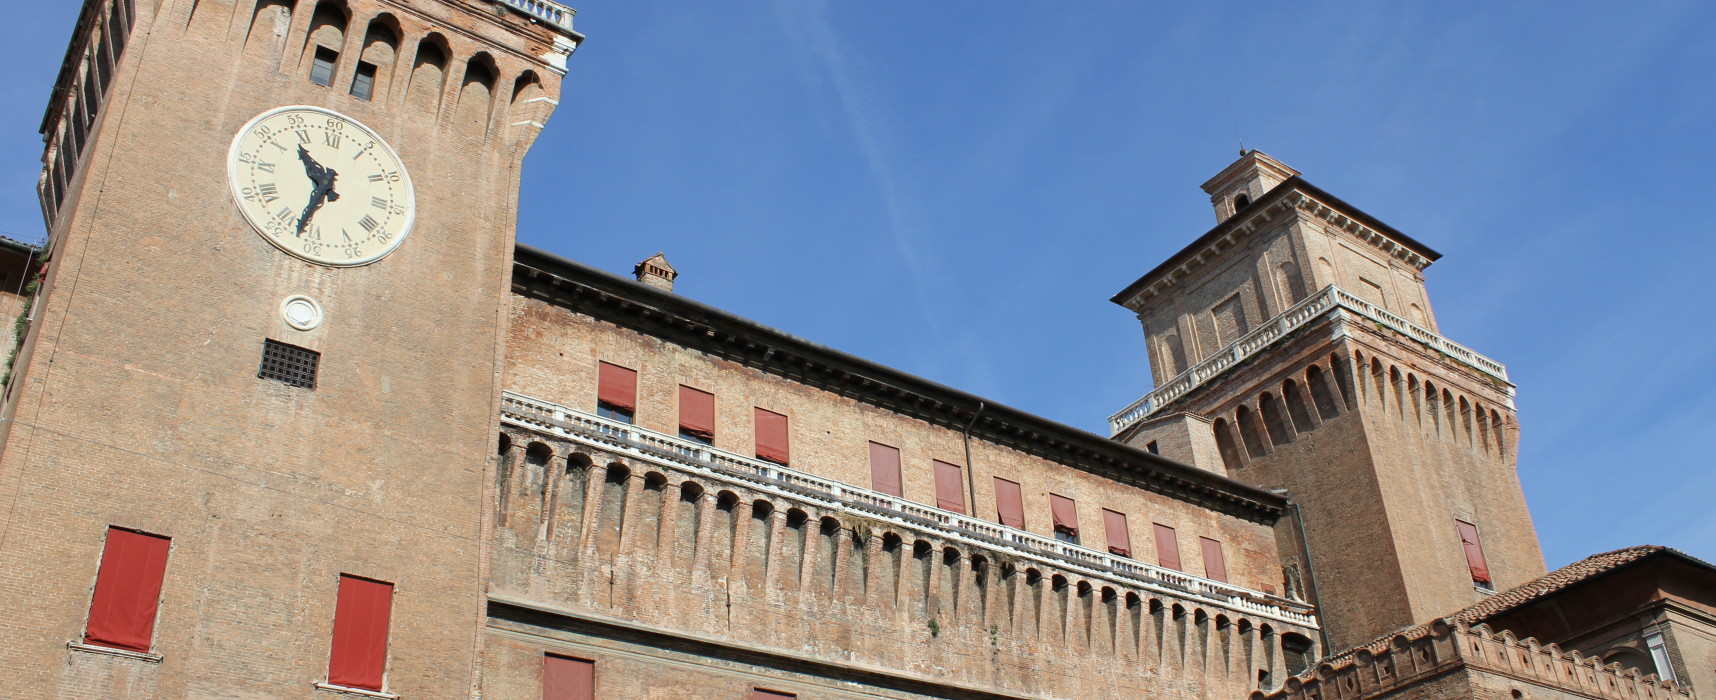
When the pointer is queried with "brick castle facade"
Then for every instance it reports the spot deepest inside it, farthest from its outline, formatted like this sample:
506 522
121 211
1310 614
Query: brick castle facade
258 444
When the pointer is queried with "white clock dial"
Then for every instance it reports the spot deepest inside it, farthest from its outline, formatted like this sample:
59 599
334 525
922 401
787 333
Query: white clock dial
321 186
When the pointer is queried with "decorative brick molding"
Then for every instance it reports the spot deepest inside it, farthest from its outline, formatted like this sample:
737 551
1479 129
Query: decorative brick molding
1447 648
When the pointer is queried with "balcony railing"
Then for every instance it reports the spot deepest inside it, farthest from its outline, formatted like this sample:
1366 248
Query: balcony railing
551 13
721 465
1302 313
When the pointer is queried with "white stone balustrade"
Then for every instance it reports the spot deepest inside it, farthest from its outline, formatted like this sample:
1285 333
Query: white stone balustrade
1328 299
722 466
551 13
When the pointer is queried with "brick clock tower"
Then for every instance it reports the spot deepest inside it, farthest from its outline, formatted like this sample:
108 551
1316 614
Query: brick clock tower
1293 346
246 432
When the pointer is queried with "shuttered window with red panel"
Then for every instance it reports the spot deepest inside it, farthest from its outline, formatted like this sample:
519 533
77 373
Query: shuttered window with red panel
1215 564
885 469
949 487
1065 513
361 615
696 415
1474 554
127 590
1009 503
772 437
1167 547
566 678
1119 539
616 392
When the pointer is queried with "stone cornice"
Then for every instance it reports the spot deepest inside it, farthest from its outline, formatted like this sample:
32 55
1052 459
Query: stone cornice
629 304
1293 194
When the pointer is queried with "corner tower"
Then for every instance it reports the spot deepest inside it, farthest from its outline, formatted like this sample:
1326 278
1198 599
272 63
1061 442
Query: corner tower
1293 346
267 345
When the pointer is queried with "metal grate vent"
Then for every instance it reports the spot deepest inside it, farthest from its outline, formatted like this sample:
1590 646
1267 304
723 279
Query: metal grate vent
290 364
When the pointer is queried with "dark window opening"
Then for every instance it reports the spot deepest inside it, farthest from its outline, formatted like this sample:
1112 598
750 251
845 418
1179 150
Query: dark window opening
612 412
1151 446
363 83
1241 202
289 364
1297 652
322 66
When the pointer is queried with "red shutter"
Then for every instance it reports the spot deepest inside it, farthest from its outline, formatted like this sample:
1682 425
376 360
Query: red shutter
359 655
697 412
760 694
772 437
617 386
1009 503
1065 513
1167 547
949 487
1119 540
885 469
1215 565
127 590
568 679
1474 552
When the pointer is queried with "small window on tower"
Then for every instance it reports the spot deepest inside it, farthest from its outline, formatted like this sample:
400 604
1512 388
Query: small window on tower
363 83
289 364
322 66
1241 202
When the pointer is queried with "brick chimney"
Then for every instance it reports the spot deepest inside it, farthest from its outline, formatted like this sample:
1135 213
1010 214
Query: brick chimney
655 272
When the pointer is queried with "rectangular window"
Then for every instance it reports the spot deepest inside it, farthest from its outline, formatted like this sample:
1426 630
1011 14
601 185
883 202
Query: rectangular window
885 469
760 694
949 487
1065 513
127 590
566 678
772 437
1474 554
322 66
1167 547
1215 565
696 415
616 392
289 364
1659 655
359 655
363 82
1009 503
1119 539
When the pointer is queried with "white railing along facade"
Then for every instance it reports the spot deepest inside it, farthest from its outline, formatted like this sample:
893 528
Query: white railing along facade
722 466
1302 313
552 13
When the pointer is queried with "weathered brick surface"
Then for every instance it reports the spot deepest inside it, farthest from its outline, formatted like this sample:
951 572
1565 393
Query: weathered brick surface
137 402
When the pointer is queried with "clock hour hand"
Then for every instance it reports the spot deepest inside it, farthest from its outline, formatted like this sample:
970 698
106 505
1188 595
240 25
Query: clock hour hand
322 188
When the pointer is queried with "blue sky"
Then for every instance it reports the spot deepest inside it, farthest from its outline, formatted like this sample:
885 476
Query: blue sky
955 189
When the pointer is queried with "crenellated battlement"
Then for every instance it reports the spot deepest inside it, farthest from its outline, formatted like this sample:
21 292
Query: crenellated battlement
1443 648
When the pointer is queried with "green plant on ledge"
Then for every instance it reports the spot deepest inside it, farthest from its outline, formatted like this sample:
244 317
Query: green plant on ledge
934 628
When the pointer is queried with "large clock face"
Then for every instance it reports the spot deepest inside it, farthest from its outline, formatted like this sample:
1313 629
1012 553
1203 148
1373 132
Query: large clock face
321 186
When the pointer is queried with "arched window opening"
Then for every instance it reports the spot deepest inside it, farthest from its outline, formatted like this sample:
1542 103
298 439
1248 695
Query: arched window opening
269 26
1241 202
374 72
1296 409
1296 653
505 444
323 44
1395 381
1248 432
1466 419
1321 397
526 88
1224 444
428 74
476 92
1343 372
1497 427
538 454
1272 421
1483 428
1432 408
1630 658
1378 378
1448 410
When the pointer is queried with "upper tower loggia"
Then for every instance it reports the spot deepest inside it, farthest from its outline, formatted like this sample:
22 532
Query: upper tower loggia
280 236
1293 346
